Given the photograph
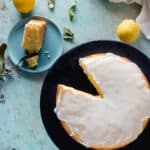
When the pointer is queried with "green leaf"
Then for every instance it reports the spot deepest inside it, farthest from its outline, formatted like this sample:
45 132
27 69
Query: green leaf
67 37
51 4
67 31
2 52
1 64
68 34
71 10
3 70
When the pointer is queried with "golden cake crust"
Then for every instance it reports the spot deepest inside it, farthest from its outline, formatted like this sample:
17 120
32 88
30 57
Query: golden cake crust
77 137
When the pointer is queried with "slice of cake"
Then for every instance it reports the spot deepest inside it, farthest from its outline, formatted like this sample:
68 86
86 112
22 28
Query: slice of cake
118 115
33 35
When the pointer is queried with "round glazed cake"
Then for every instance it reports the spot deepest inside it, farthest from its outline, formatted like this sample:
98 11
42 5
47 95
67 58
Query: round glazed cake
117 115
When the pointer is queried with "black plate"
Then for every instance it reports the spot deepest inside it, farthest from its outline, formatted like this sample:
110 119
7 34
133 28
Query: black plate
67 71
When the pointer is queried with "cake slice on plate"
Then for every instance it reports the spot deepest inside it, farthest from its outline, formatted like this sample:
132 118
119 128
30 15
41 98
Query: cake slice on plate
33 40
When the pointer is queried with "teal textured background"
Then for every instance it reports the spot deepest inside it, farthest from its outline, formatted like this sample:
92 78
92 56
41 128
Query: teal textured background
21 126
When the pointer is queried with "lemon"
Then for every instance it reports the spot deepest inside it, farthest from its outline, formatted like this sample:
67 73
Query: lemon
24 6
128 31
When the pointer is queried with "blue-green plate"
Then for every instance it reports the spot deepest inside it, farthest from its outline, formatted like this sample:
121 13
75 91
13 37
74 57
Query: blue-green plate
52 43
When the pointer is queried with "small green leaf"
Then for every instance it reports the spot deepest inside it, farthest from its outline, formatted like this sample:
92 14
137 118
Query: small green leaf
68 34
67 37
3 70
2 49
67 31
71 10
1 64
2 52
51 4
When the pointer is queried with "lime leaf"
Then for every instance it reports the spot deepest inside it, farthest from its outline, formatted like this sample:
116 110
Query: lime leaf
1 64
51 4
67 37
2 52
71 10
68 34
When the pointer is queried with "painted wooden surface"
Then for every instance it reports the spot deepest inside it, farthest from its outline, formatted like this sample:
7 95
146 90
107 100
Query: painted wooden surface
21 127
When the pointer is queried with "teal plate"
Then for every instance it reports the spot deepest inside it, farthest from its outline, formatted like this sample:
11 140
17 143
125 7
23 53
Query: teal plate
52 44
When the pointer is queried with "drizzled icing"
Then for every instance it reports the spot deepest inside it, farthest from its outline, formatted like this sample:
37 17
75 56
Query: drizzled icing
115 119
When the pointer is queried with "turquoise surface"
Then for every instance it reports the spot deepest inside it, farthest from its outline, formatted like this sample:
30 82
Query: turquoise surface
21 126
51 49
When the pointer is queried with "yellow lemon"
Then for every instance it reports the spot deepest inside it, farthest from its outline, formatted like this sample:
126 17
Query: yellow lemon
24 6
128 31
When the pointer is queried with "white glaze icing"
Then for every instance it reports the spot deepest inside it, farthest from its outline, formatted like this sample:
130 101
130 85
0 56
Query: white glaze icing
116 118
